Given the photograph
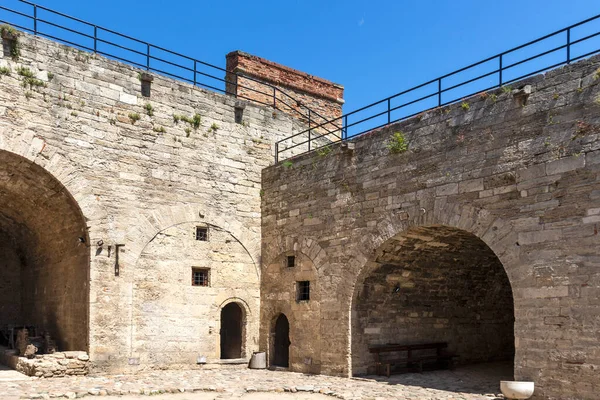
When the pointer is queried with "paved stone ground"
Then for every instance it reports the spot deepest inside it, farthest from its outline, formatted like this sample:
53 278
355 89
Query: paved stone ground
467 383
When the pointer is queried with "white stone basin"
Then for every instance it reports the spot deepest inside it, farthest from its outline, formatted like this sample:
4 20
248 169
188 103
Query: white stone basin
516 390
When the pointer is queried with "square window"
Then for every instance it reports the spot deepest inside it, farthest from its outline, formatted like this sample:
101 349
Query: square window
202 234
291 261
200 276
303 291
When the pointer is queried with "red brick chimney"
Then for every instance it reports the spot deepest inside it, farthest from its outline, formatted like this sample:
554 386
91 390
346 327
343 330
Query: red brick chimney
321 96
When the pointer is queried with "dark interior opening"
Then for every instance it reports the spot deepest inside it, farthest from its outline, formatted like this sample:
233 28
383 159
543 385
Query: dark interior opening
281 351
231 331
44 259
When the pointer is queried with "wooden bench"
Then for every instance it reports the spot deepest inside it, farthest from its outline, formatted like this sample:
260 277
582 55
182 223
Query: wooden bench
433 354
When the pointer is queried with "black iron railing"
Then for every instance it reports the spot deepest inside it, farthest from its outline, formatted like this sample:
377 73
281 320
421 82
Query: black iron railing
86 36
493 72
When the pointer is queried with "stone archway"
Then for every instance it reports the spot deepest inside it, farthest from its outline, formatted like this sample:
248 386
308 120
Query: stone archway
232 331
281 283
281 342
434 283
44 253
164 287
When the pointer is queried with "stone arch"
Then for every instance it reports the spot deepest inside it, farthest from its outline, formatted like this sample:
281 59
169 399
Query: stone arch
48 226
161 282
36 150
292 244
280 341
494 233
279 296
245 319
155 221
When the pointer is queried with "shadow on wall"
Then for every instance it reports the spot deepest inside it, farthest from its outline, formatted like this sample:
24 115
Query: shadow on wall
434 284
52 292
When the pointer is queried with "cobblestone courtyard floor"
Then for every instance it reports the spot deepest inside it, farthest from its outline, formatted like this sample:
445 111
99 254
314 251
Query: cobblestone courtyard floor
468 383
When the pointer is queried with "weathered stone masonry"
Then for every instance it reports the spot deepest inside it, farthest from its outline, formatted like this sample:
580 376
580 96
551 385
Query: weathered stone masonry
518 172
484 231
89 170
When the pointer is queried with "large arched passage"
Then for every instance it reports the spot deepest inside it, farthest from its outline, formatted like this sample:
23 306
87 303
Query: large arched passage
44 255
434 284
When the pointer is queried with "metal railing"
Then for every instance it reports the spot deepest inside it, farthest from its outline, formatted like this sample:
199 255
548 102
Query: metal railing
439 92
152 58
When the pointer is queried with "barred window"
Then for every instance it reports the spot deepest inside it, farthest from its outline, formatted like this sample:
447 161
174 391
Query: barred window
303 291
202 234
200 276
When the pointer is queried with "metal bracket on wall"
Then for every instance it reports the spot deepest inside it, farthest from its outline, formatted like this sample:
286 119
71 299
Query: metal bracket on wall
117 267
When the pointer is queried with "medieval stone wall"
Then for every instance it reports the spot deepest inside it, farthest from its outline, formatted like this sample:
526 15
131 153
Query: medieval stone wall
519 168
164 298
142 172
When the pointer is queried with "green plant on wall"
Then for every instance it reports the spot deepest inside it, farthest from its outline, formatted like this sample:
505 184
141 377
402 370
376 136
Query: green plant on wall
149 109
29 78
194 120
213 128
324 151
465 106
7 31
397 143
287 164
4 71
134 117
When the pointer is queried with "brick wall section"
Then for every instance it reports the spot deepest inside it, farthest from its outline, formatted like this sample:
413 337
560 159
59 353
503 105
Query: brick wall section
321 96
134 181
520 172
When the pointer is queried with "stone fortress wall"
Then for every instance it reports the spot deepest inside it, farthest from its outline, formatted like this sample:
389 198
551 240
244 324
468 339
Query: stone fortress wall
493 211
101 192
489 219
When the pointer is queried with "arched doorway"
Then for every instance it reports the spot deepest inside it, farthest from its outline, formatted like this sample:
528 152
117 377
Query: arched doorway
231 331
281 342
44 256
434 284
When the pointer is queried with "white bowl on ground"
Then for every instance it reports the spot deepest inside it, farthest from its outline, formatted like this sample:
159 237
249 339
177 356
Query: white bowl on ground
517 390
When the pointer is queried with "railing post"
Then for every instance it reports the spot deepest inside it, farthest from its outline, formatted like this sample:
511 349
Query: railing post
95 39
309 129
35 19
276 152
440 92
569 46
195 75
147 56
389 116
500 71
345 126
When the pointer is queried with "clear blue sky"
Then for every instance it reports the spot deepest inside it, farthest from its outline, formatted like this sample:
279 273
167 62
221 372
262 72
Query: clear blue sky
374 48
